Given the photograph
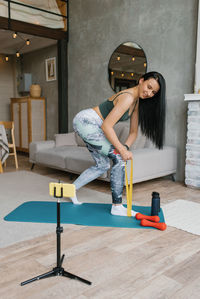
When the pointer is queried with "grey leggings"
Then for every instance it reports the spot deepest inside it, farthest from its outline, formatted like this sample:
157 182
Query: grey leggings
87 124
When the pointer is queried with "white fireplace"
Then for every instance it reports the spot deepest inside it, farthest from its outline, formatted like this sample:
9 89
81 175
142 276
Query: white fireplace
192 162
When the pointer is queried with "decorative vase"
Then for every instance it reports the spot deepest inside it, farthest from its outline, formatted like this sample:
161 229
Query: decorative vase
35 91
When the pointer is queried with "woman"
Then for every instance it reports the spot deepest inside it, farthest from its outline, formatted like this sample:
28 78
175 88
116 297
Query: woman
144 104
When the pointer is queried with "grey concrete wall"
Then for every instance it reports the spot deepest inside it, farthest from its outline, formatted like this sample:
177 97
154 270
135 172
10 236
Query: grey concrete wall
165 29
34 63
7 87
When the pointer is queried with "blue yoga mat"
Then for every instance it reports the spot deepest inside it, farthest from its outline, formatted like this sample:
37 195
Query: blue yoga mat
89 214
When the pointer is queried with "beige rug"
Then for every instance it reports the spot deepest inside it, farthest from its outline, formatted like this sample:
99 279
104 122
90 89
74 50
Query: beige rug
184 215
22 186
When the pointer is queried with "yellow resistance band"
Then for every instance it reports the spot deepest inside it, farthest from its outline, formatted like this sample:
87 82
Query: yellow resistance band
129 189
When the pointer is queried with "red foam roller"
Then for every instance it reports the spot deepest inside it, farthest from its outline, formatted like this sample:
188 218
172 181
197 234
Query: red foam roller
161 225
140 216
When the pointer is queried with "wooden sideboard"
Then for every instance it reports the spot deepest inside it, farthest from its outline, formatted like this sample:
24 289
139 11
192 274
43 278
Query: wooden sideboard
29 116
192 165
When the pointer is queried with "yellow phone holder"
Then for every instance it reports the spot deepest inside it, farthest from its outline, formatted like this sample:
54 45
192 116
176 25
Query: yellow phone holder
129 189
60 190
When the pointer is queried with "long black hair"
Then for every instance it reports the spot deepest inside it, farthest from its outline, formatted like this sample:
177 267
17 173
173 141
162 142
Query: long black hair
152 112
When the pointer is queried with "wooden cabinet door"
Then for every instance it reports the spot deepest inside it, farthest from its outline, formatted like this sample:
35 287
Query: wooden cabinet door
15 117
29 115
38 120
24 125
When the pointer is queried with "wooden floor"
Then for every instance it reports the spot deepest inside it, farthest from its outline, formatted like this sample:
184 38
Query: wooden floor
120 263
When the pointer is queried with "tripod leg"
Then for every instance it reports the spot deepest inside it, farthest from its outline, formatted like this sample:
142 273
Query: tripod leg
72 276
61 261
45 275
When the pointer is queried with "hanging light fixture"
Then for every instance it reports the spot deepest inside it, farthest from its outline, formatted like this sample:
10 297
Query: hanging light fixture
118 58
133 58
6 58
122 74
112 73
145 64
26 42
132 74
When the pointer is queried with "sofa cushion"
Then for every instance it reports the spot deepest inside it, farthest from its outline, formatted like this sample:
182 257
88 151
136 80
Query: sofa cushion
37 146
65 139
152 163
79 140
119 128
149 144
54 157
140 141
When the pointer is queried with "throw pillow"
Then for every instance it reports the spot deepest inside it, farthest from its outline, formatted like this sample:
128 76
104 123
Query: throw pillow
65 139
79 140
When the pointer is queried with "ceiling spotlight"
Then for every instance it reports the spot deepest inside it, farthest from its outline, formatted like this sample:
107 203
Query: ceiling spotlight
6 58
17 54
28 42
14 35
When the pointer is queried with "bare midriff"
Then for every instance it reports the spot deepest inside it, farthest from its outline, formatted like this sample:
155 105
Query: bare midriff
96 109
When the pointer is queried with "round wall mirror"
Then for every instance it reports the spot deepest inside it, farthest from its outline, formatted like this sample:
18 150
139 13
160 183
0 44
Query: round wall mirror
127 64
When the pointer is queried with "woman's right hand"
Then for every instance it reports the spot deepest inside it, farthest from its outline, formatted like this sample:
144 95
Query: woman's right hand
126 155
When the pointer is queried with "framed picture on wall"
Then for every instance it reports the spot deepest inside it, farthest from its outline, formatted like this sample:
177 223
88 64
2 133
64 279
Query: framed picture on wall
50 66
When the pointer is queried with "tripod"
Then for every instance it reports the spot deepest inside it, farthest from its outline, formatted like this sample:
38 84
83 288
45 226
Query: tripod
58 270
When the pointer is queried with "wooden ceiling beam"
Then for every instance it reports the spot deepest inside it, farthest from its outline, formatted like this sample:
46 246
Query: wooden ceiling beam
32 29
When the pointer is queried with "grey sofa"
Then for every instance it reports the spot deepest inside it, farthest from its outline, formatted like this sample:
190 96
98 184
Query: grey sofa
68 152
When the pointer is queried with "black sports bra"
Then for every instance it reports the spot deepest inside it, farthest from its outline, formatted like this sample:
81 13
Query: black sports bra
108 105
